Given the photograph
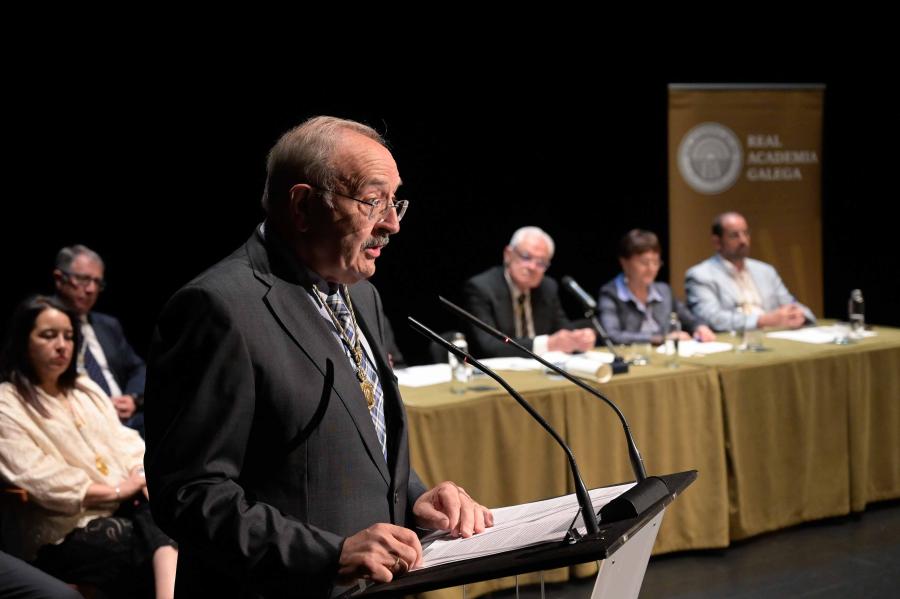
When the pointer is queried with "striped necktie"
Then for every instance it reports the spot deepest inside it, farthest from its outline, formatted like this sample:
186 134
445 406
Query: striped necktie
342 313
94 370
523 317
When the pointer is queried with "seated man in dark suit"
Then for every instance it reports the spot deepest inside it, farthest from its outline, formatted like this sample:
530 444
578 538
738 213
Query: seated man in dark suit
519 300
106 357
277 452
394 355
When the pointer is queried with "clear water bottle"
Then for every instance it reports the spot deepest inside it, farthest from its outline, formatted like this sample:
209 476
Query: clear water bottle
856 313
460 372
672 340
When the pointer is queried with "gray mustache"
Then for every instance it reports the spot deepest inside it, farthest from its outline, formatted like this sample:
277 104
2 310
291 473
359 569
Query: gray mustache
376 241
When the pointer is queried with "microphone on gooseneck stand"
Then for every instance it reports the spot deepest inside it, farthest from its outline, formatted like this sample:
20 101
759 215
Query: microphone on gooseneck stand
584 499
635 500
619 365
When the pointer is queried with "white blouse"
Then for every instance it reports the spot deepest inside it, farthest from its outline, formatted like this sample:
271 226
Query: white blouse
56 463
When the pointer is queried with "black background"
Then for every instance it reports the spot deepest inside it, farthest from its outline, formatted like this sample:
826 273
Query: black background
159 167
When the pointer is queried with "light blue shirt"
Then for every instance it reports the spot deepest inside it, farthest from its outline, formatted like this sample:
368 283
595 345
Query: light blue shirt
649 324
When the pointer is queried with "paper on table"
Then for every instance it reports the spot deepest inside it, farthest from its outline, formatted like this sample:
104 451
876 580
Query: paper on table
687 349
422 376
559 358
821 335
511 364
555 357
591 365
434 374
516 527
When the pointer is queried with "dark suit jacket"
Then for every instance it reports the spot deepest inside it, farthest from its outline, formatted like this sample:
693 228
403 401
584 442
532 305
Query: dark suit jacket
390 344
622 319
487 296
261 454
126 366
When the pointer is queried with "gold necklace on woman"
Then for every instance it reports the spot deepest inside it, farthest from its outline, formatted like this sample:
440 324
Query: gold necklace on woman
355 347
99 462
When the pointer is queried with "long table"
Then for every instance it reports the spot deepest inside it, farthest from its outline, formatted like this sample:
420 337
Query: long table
796 433
487 443
812 431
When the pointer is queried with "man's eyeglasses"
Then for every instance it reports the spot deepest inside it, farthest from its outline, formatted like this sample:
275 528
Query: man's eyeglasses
378 206
80 280
526 257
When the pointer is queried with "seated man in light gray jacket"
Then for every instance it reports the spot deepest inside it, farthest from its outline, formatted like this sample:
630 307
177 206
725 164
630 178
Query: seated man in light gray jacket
732 292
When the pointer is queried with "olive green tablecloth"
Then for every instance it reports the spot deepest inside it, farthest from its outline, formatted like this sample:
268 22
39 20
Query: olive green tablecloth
795 433
487 443
812 430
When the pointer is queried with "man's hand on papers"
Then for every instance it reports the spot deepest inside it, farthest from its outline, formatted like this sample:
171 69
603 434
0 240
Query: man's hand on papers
379 553
448 507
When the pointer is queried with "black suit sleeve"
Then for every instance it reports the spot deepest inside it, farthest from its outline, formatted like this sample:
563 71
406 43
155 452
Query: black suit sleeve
200 407
689 322
478 302
390 344
609 318
128 367
559 320
414 490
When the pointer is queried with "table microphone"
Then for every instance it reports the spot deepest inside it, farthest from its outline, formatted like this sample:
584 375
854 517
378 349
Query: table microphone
584 499
619 365
648 490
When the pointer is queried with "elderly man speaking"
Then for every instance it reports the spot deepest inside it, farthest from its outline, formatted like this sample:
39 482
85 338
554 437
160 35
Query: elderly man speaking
277 441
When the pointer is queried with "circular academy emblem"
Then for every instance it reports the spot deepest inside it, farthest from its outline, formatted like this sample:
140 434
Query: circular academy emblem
710 158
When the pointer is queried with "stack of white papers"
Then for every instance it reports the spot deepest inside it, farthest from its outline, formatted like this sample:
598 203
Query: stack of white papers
823 334
422 376
516 527
435 374
559 358
520 364
591 365
687 349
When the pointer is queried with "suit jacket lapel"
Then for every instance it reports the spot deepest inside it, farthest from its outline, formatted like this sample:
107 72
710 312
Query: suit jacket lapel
540 312
368 319
505 316
104 338
291 305
734 293
660 310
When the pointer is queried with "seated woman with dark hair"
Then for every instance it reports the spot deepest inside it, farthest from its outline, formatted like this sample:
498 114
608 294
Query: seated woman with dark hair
88 520
634 306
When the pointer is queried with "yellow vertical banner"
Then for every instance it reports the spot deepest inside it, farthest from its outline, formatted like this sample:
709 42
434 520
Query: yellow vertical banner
756 150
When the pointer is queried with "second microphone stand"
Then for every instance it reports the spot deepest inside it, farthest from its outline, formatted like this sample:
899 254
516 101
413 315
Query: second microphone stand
648 490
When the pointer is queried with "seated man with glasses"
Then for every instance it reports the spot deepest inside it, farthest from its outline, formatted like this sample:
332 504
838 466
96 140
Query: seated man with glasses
106 356
634 306
519 300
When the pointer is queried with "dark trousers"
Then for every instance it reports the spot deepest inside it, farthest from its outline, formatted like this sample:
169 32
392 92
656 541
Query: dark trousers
19 580
113 554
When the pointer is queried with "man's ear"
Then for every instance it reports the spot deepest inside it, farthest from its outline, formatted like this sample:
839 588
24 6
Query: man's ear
298 207
58 277
507 255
